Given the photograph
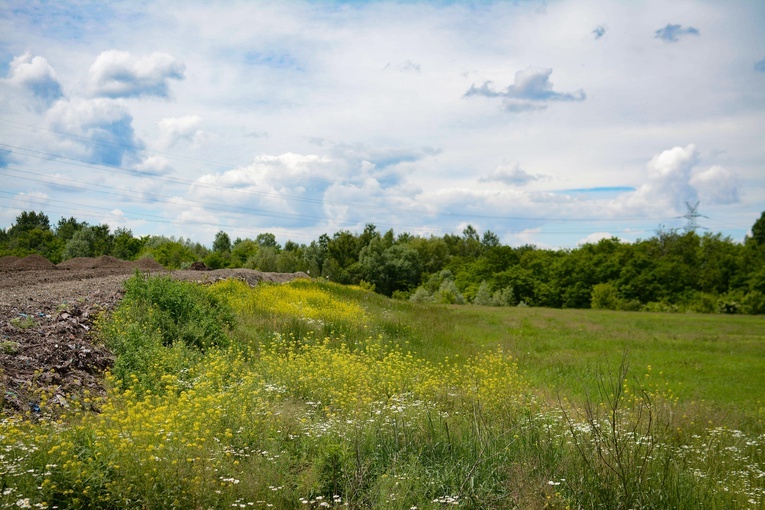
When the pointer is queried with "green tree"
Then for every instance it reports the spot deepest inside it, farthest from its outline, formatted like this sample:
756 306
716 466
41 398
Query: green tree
66 228
27 221
222 243
267 240
758 230
126 246
242 251
490 240
390 267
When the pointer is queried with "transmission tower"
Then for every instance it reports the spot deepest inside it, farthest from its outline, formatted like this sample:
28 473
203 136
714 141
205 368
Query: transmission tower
691 215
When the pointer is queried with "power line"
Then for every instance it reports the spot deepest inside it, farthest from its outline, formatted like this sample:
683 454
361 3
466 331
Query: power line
409 211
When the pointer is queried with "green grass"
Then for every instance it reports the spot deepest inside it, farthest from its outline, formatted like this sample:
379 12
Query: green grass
717 359
328 395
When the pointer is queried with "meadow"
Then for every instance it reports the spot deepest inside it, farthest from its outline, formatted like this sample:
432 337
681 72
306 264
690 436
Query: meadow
316 395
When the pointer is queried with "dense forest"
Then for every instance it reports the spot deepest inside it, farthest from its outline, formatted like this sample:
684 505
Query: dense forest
671 271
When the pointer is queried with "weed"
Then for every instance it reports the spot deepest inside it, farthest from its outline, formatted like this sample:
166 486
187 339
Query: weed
23 321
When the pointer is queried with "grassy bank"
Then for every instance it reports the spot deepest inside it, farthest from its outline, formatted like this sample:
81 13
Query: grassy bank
313 395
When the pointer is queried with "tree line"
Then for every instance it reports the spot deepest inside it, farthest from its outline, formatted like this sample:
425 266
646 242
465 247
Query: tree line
670 271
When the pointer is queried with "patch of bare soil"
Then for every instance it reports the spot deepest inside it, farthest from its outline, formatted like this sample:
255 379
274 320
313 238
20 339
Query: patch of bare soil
47 314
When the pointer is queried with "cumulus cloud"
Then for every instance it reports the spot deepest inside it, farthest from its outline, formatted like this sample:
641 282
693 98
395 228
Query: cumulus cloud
157 165
510 174
119 74
673 33
36 75
599 31
102 129
173 130
381 156
674 178
386 164
716 185
531 90
283 186
760 66
30 201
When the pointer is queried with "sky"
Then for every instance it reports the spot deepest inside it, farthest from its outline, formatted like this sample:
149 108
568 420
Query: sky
549 123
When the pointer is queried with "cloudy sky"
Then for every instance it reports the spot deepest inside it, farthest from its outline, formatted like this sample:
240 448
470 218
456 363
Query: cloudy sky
551 123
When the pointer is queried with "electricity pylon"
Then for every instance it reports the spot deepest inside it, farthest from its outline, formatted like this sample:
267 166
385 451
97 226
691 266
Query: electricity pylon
691 215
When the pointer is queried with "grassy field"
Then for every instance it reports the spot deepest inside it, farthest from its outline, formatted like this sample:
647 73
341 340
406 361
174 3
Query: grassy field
715 359
314 395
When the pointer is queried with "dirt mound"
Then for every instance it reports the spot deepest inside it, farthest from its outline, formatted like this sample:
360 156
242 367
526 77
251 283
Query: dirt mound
148 264
105 261
7 263
33 262
77 263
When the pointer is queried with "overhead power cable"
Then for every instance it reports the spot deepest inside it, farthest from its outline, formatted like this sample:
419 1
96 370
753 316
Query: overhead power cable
410 211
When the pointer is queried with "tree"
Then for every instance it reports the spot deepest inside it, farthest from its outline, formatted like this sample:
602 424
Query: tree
66 228
125 246
267 240
242 251
490 239
222 243
758 230
27 221
89 242
391 268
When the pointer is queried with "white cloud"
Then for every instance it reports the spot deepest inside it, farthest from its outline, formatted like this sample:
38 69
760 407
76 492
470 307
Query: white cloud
173 130
510 174
101 129
668 185
157 165
290 73
595 237
36 75
531 90
120 74
30 201
716 185
282 188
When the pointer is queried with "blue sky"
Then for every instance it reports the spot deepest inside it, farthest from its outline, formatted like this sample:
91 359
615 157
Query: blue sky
551 123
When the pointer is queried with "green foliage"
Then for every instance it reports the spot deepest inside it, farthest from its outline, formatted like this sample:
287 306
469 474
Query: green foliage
217 260
89 242
126 246
758 230
415 406
160 323
168 252
242 251
27 221
605 297
66 228
671 271
222 243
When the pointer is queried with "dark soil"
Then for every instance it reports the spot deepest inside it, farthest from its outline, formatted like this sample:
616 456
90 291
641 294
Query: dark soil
47 313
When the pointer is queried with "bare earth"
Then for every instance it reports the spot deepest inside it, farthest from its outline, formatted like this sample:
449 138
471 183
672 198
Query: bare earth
46 319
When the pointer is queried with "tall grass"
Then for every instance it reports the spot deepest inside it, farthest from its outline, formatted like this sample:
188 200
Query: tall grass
323 396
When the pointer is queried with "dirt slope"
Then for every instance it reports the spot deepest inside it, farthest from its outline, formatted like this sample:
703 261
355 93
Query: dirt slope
46 319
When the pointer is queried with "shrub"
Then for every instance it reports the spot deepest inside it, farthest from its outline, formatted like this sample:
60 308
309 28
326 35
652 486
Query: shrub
605 296
160 323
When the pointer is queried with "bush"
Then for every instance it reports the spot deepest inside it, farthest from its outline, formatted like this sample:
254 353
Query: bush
605 296
160 324
753 303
